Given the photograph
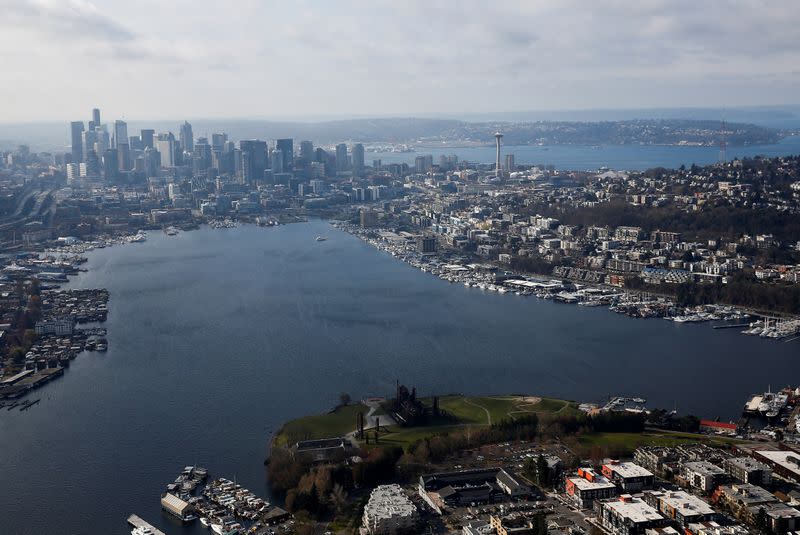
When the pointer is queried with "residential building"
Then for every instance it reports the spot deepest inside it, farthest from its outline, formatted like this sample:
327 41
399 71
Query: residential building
629 516
748 470
588 486
628 476
703 475
389 511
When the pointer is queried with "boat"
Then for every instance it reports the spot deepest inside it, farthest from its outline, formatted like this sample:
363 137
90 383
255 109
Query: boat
205 521
171 231
142 530
219 529
321 238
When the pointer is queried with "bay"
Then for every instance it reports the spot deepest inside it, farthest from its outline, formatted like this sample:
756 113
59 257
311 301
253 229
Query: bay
216 337
585 157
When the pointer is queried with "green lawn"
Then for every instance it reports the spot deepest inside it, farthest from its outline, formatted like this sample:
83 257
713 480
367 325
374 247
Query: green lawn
333 424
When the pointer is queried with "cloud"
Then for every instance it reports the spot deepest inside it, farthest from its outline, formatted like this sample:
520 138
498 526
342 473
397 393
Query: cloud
380 56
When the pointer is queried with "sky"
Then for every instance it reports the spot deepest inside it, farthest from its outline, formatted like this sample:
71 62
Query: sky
295 59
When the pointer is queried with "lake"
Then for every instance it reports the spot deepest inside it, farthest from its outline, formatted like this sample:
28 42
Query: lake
218 336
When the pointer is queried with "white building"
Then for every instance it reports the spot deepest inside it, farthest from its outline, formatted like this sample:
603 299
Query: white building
389 511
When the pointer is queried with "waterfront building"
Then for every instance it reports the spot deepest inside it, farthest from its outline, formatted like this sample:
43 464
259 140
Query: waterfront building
389 511
630 477
369 218
629 516
426 244
176 506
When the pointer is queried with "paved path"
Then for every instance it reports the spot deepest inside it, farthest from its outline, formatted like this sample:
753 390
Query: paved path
488 414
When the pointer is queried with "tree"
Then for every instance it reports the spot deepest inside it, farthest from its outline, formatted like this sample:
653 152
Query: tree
344 398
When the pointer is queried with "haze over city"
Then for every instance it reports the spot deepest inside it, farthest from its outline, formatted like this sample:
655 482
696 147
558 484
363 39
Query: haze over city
163 60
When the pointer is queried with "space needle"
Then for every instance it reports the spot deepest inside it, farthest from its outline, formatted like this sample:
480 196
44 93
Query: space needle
497 136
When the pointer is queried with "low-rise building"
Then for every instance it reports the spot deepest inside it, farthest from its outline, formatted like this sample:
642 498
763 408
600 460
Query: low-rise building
748 470
740 497
389 511
467 487
703 475
783 463
679 506
777 518
629 516
713 528
629 477
588 486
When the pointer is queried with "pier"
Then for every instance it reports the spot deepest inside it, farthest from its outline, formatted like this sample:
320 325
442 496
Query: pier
137 522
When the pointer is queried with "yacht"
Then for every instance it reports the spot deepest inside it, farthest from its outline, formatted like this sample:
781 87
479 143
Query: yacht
142 530
205 521
321 238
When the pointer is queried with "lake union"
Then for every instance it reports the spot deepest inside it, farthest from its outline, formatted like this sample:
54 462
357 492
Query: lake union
218 336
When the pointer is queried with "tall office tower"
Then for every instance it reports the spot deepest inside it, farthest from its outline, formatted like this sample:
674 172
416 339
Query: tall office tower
201 156
254 159
341 158
306 152
124 156
103 142
95 122
358 160
147 138
510 164
277 161
76 129
110 164
218 141
152 161
165 144
88 140
497 136
286 146
135 144
120 133
92 164
320 155
186 136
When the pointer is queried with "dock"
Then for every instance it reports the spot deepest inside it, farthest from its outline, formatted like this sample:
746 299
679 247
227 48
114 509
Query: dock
737 326
137 522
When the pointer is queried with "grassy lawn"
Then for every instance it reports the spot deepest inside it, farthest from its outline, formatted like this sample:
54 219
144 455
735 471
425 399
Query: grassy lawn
333 424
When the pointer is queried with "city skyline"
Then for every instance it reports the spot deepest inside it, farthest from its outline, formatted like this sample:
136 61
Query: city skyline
404 60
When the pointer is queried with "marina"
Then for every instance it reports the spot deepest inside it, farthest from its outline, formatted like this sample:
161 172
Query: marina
492 278
140 527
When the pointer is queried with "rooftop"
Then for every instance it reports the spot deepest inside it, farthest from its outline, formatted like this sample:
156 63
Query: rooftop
628 469
633 509
684 503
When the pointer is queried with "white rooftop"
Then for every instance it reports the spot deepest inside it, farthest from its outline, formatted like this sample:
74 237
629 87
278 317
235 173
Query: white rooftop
685 503
584 484
389 501
634 510
786 459
628 469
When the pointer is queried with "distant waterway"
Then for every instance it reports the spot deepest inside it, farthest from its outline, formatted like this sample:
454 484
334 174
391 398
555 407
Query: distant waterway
584 157
216 337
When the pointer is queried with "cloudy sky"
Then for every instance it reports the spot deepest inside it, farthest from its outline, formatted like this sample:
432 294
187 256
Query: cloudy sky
156 59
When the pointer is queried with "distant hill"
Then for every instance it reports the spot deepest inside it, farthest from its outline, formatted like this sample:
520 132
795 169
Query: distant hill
429 131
